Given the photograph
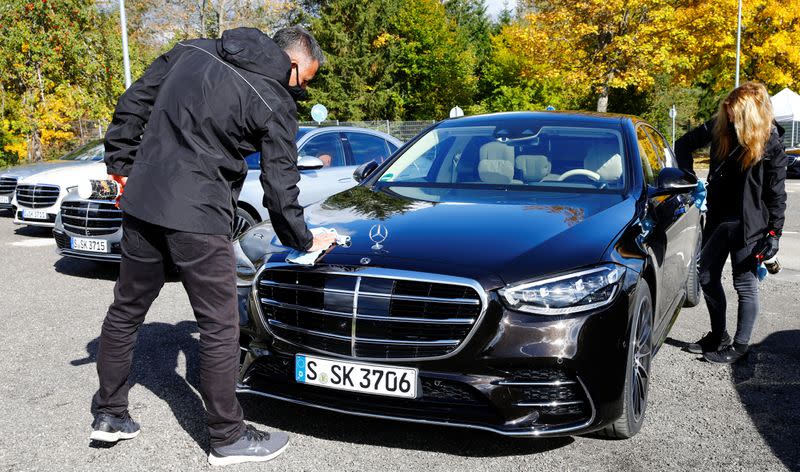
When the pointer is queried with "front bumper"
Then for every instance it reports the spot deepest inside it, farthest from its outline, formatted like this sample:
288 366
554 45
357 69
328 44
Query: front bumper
64 246
47 222
519 375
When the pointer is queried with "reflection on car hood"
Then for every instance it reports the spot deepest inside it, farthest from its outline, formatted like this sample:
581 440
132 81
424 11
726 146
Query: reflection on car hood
31 169
67 175
479 233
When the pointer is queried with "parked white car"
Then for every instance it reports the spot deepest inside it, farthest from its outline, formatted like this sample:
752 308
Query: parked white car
92 229
37 198
91 152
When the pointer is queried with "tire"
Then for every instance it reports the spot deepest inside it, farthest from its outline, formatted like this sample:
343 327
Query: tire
244 221
693 290
637 373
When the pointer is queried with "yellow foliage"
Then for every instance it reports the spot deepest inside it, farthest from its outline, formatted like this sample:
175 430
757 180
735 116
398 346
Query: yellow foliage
55 137
19 147
382 40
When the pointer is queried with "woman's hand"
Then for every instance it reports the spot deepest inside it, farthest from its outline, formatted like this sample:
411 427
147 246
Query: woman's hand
767 247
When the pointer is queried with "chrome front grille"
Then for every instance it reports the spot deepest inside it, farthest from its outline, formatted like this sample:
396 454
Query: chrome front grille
91 217
7 185
37 196
370 313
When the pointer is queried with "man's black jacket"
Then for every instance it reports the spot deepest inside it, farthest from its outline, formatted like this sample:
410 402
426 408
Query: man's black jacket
182 130
764 192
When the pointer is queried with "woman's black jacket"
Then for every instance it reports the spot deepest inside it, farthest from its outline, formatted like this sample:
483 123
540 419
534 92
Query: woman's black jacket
764 192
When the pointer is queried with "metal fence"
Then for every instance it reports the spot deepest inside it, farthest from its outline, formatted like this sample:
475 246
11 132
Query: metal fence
403 130
791 137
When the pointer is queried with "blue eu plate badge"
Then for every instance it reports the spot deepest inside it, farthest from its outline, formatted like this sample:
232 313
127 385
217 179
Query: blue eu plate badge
300 369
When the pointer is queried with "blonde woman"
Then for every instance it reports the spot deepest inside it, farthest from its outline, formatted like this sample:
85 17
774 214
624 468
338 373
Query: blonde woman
746 206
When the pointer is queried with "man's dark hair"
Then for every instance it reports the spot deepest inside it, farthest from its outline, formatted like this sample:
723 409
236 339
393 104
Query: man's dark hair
296 37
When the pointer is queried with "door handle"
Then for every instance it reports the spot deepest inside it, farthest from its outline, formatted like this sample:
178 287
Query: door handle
346 179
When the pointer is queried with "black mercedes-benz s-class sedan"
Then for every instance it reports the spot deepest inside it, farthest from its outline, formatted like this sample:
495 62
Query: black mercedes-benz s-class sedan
513 272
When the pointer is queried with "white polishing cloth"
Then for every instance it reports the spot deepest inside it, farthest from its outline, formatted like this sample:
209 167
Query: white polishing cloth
309 258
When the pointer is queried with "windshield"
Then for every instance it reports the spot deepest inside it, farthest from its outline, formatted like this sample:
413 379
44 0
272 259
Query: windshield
514 153
93 151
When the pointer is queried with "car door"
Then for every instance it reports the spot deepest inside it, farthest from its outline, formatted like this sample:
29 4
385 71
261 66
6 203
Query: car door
685 229
335 177
664 217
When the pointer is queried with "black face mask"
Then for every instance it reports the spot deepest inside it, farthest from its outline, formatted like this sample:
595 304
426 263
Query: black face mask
297 92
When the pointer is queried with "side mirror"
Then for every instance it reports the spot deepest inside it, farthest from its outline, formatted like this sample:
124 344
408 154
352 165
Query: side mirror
309 163
673 181
363 171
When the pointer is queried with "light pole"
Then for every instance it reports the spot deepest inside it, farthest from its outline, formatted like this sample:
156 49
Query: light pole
125 61
673 112
738 42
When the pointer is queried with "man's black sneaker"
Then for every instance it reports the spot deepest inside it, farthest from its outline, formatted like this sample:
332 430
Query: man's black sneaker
728 355
110 428
253 446
709 343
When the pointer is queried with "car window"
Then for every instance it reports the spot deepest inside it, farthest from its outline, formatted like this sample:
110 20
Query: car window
544 156
326 147
392 147
90 152
651 164
366 147
662 147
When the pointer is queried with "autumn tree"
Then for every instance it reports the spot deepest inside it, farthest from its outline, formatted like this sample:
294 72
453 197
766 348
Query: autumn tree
601 44
704 37
56 59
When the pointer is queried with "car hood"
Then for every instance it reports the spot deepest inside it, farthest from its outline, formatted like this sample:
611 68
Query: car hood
31 169
480 233
67 175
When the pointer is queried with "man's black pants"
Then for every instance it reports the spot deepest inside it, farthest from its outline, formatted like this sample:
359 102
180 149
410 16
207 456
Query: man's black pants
208 273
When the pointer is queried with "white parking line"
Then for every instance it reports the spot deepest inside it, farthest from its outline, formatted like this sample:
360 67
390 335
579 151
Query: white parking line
34 243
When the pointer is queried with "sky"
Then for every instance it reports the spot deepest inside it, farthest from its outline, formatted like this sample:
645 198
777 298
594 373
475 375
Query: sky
494 7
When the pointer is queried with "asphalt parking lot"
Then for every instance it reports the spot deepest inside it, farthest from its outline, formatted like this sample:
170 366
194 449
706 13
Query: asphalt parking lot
702 416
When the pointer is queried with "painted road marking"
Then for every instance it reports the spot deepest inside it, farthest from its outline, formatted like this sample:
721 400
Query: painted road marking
34 243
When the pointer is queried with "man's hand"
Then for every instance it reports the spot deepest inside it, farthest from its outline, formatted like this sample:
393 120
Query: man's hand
322 241
120 179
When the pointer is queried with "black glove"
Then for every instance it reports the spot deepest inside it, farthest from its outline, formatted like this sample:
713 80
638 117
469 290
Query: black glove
767 247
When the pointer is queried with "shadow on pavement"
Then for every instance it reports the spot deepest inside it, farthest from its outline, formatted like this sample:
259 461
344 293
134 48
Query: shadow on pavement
34 231
682 345
155 363
87 269
768 384
275 414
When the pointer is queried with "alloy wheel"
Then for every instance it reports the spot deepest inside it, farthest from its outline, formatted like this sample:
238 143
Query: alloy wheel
642 355
241 226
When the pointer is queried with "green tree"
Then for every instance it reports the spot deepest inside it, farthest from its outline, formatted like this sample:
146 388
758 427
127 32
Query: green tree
391 59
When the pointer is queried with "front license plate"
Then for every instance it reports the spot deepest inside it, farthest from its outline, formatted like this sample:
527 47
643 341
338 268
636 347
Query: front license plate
90 245
34 215
5 199
356 377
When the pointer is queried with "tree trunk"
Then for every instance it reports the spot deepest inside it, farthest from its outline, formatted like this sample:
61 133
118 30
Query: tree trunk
35 147
602 101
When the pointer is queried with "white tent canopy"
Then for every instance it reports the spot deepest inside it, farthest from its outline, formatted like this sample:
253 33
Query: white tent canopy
786 105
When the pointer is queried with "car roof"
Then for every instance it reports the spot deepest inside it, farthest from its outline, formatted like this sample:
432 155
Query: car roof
564 117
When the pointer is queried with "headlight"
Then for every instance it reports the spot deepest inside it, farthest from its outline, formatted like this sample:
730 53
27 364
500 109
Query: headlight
570 293
245 270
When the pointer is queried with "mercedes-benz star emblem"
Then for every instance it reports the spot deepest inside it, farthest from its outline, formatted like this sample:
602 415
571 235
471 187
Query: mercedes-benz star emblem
378 234
365 260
